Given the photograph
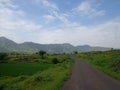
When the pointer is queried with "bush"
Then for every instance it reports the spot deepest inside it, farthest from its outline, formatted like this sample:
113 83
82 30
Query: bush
3 56
75 52
55 61
21 78
2 86
42 78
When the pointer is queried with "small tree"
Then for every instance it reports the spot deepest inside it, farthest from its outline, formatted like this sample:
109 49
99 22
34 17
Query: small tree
42 53
55 61
3 56
75 52
112 49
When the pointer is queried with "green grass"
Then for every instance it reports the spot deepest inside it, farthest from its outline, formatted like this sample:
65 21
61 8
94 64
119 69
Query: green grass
36 76
108 61
9 69
51 79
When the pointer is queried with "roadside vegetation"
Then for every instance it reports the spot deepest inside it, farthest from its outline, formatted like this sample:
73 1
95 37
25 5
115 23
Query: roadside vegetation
34 71
108 61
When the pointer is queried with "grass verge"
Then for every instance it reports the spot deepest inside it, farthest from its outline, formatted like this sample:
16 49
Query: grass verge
49 79
108 61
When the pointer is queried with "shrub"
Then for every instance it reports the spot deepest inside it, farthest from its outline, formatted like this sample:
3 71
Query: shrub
75 52
2 86
21 78
55 61
3 56
42 78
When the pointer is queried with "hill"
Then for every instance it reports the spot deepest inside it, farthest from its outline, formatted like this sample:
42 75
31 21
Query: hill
7 45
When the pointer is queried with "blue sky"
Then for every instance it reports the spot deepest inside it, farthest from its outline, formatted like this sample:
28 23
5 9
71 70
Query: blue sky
79 22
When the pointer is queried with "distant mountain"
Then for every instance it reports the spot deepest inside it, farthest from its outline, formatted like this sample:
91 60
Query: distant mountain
7 45
87 48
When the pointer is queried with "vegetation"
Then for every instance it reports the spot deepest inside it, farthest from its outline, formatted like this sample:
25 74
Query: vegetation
75 52
108 61
30 72
42 53
12 69
3 56
7 45
55 61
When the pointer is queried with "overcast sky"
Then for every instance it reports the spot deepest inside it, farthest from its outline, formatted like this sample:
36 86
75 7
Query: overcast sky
79 22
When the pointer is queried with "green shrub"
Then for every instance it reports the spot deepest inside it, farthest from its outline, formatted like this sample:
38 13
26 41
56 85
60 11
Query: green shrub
55 61
3 56
21 78
2 86
39 77
36 76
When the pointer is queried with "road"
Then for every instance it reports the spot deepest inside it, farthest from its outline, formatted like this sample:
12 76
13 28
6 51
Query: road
85 77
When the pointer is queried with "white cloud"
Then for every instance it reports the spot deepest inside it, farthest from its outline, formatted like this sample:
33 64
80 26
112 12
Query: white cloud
12 18
54 12
49 18
14 25
48 4
61 17
89 9
106 34
7 3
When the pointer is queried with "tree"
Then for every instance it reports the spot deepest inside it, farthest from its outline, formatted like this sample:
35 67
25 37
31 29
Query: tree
55 61
42 53
3 56
75 52
112 49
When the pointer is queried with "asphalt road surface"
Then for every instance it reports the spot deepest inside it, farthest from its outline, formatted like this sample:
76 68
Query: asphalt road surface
85 77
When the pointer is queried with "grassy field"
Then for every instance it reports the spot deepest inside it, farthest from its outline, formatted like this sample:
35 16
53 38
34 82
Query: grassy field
43 75
10 69
108 61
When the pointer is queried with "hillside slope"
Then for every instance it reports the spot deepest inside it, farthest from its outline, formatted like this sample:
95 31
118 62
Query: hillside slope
7 45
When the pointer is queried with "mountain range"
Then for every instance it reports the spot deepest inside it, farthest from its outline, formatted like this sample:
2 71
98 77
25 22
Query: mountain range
7 45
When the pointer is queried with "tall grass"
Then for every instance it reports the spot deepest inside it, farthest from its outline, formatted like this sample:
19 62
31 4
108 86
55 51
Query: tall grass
51 78
108 61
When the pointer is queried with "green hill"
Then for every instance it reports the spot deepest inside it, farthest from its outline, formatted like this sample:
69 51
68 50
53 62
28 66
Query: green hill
7 45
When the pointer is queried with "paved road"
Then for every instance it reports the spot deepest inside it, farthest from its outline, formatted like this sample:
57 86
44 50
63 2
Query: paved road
85 77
